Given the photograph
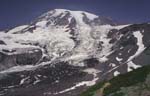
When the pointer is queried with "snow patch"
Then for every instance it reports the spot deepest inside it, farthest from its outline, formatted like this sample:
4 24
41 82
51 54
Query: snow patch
17 69
132 66
91 16
16 29
121 26
41 24
116 73
119 59
92 71
103 59
23 80
140 44
112 65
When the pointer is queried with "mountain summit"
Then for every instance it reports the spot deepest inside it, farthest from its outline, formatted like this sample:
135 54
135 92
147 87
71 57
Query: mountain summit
67 17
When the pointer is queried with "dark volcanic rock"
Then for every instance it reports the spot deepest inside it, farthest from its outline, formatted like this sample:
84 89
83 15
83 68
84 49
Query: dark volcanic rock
49 74
91 62
2 56
2 42
29 58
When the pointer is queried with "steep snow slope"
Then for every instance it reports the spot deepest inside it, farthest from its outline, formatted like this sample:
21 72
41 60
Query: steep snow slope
60 41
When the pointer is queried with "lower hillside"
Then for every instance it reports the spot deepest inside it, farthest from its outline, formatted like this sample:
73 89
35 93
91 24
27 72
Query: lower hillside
135 83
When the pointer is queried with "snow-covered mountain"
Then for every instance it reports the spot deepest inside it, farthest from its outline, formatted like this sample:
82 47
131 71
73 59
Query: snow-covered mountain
69 49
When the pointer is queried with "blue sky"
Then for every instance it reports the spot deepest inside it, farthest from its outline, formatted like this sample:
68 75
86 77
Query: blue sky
18 12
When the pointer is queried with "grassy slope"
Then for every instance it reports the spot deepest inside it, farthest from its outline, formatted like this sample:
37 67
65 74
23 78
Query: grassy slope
125 80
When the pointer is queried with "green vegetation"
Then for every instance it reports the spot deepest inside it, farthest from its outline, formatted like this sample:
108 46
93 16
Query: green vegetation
129 83
91 91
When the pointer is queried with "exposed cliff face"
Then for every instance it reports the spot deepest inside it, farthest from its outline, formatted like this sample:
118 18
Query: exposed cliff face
70 49
18 57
